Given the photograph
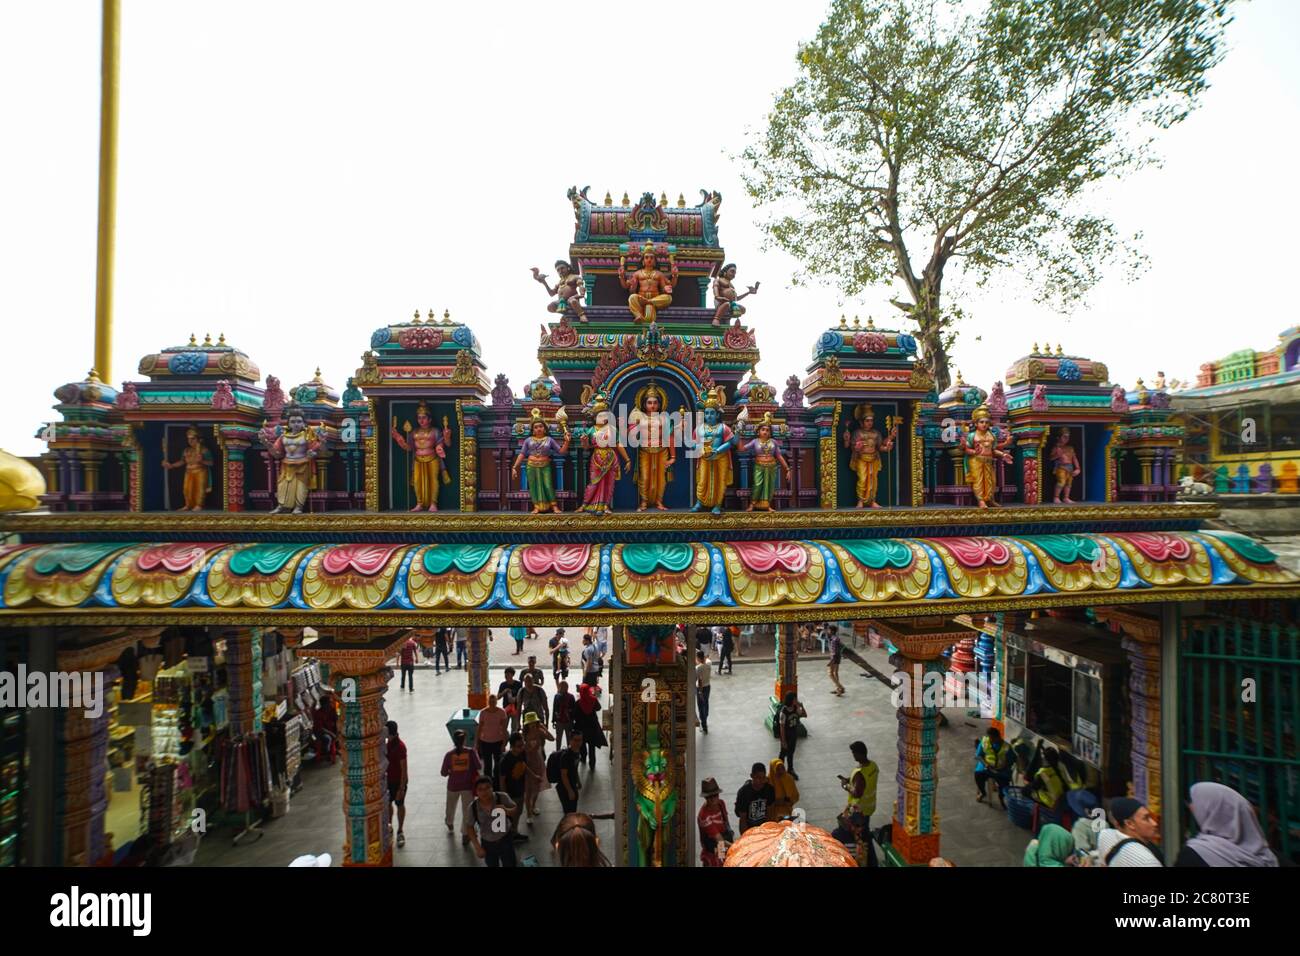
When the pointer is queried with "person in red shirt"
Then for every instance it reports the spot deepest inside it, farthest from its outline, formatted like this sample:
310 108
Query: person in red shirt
462 768
409 650
715 828
397 780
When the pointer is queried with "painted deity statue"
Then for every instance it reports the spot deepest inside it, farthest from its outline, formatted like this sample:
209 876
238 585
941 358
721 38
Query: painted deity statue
296 447
537 450
197 462
867 445
651 289
1065 466
767 455
980 448
713 469
656 452
569 290
724 295
604 469
429 470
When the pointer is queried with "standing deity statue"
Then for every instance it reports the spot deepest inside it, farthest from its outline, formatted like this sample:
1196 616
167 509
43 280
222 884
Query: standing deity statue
656 450
1065 466
980 448
604 469
725 300
197 462
867 445
569 290
767 455
651 289
537 450
429 470
296 447
713 469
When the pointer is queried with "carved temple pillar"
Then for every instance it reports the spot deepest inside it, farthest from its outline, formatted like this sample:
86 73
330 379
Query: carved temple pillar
1141 641
787 660
1029 440
82 798
234 450
244 677
476 668
919 643
652 696
358 660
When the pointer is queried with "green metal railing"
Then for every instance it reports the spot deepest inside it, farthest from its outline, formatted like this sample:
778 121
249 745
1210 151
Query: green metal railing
1239 703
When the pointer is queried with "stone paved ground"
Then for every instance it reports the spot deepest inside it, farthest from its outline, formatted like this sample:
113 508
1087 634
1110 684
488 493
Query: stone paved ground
973 834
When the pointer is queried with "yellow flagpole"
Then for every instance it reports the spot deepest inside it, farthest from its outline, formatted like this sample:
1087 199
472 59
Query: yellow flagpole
107 190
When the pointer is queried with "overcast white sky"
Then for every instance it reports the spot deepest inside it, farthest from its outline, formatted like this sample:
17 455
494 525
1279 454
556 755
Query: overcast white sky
296 174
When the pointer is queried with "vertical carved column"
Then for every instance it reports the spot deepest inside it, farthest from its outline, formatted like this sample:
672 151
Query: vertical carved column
919 643
358 660
82 797
787 660
468 457
476 668
232 487
1141 641
244 674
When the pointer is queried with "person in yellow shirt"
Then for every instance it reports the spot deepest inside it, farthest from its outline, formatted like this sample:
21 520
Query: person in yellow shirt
860 785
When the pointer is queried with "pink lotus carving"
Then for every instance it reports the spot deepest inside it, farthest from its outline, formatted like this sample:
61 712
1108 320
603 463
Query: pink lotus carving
764 556
367 559
563 559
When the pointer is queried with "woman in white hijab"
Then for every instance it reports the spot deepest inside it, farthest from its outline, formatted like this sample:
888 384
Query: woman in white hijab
1229 832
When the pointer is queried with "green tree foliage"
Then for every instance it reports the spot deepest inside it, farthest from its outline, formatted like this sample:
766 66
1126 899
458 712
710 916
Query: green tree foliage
920 132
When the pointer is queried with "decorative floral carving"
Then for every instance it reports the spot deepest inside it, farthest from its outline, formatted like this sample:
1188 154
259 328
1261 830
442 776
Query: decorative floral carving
369 373
128 398
502 397
1118 402
223 399
273 400
1067 370
379 338
1039 402
420 337
187 363
870 342
737 338
832 374
465 373
792 397
997 401
564 335
920 380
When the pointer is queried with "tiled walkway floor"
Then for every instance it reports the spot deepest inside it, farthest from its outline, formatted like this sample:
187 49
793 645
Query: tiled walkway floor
972 833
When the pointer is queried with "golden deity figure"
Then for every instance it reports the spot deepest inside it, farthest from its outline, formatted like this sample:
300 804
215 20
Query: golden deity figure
651 289
867 446
197 462
650 432
296 447
429 470
1065 467
980 448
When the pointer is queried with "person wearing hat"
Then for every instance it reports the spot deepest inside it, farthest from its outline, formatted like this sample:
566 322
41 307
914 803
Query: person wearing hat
535 737
1132 842
1082 803
715 828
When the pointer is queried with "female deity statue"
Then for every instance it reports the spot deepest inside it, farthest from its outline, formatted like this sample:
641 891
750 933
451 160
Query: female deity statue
980 448
604 469
713 469
867 447
296 446
197 462
656 452
538 449
767 454
1065 466
429 470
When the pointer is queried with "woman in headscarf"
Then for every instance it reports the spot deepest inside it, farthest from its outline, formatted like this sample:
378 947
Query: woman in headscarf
587 722
1054 847
1082 803
787 792
1229 832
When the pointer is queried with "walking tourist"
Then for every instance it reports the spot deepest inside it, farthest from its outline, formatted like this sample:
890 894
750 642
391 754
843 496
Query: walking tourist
564 709
461 767
992 762
586 723
728 644
1228 831
539 676
442 649
715 828
592 663
833 665
575 842
512 774
703 672
397 780
532 700
461 635
559 648
788 721
754 798
1133 841
518 633
491 834
491 736
860 785
508 696
407 660
569 785
535 736
785 790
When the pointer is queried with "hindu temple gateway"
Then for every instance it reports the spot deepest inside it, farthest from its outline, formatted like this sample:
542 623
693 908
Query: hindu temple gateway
645 477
